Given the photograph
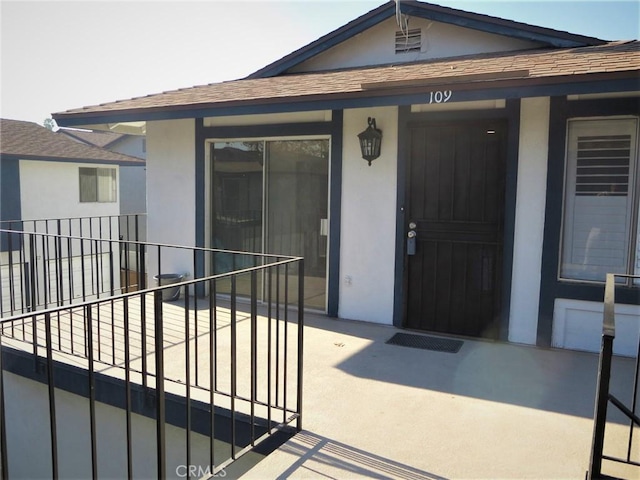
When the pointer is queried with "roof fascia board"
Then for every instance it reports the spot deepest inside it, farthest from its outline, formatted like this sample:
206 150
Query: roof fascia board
39 158
531 33
497 90
326 42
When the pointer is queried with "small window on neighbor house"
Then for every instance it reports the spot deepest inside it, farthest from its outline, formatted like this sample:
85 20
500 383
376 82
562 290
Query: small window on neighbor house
410 41
98 185
601 201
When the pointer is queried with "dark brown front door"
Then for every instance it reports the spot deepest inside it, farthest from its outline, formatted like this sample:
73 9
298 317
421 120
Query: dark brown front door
456 203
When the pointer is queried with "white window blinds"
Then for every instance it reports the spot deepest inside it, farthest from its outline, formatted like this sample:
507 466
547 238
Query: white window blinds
599 198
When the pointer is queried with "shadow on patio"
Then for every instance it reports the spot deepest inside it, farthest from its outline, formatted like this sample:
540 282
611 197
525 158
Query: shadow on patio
314 450
555 380
492 410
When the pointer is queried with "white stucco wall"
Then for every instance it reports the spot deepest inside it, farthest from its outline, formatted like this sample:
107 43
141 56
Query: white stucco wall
52 190
529 225
376 46
171 192
368 223
133 145
29 444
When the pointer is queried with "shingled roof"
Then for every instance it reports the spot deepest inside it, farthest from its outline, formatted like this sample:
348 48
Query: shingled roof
97 139
541 66
28 140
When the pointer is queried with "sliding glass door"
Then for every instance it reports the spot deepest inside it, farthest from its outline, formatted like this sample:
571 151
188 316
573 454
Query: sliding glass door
272 197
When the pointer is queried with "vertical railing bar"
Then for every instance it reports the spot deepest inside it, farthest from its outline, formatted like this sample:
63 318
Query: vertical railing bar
212 372
215 334
52 396
604 375
91 255
187 383
269 341
285 343
127 380
98 271
254 351
100 250
71 285
21 257
70 261
634 401
12 294
112 272
300 341
46 256
277 319
160 400
4 458
2 235
233 366
143 337
113 332
143 272
59 268
98 321
82 267
195 314
92 390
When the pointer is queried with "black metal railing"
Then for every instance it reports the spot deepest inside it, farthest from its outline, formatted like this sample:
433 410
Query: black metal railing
603 394
55 262
229 340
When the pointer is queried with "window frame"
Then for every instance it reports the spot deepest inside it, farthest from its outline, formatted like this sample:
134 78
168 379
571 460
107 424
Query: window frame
112 196
633 235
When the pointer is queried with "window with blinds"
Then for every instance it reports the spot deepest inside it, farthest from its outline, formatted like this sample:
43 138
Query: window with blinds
599 199
98 185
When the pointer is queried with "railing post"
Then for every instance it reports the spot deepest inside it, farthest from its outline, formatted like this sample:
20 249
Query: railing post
52 396
300 340
160 401
604 376
4 459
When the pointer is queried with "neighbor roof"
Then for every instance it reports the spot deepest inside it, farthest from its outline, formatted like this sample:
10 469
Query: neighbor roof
97 139
611 61
30 141
453 16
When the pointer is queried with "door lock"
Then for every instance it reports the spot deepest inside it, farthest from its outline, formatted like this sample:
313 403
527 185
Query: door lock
411 242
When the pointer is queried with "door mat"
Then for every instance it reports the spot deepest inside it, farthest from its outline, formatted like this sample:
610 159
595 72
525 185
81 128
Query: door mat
426 343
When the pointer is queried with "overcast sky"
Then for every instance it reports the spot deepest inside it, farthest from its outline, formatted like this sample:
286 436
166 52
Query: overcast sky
58 55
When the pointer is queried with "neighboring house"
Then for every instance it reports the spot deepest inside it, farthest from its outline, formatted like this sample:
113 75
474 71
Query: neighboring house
46 175
506 187
132 181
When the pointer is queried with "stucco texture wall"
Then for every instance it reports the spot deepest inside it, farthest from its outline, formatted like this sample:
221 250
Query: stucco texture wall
171 180
367 237
52 190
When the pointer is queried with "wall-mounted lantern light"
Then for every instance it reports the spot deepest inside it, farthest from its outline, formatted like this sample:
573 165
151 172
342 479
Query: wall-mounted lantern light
370 141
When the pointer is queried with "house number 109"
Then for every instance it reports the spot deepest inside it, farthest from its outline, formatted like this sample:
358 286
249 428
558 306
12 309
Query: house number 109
440 97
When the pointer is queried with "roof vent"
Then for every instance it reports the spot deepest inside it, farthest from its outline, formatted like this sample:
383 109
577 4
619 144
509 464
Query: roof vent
410 41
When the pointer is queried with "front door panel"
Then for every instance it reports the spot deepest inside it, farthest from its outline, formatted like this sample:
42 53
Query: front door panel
456 204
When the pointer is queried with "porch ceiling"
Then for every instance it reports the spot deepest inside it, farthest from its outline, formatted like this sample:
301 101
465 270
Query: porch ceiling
611 61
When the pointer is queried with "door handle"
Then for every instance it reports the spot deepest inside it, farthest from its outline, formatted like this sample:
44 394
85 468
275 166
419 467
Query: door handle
411 242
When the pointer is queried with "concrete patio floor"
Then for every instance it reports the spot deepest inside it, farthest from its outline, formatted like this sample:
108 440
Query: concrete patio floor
492 410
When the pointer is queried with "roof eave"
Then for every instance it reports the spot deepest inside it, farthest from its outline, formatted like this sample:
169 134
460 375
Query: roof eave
46 158
240 107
